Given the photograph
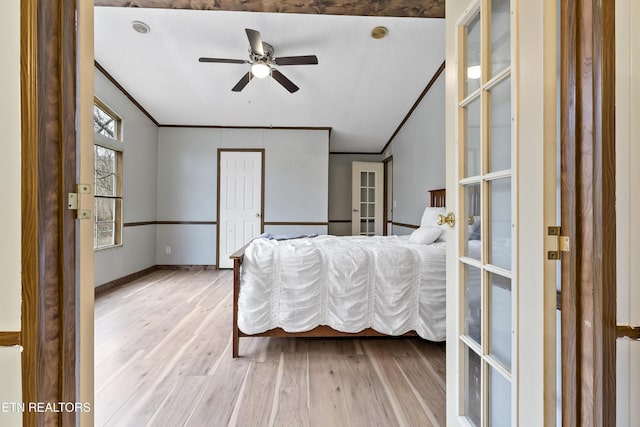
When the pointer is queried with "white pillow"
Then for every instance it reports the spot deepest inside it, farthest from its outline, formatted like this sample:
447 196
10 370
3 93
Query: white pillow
430 219
425 235
430 216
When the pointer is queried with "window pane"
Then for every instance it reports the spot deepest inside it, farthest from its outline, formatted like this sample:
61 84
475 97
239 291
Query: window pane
500 140
500 36
472 139
105 171
105 209
500 223
363 179
472 302
473 387
105 123
499 400
500 319
472 56
473 229
372 179
363 197
105 234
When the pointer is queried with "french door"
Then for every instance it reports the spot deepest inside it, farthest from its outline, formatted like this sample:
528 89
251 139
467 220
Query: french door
485 194
367 199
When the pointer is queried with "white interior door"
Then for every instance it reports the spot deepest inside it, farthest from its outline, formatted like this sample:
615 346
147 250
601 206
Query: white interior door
367 182
240 201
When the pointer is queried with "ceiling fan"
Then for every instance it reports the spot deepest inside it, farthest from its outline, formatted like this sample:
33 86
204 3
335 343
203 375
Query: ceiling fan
262 62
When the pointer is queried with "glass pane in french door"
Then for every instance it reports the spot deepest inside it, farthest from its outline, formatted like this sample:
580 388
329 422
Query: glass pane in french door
500 319
473 303
499 399
500 223
500 36
473 229
472 56
472 139
500 137
472 386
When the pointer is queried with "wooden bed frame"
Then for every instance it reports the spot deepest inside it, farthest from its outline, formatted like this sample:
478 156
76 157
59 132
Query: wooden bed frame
437 199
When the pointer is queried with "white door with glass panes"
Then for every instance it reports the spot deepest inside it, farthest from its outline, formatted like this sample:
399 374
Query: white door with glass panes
367 198
489 176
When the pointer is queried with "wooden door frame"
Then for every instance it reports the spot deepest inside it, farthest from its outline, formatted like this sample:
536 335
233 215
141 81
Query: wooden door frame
237 150
48 112
48 335
385 195
588 298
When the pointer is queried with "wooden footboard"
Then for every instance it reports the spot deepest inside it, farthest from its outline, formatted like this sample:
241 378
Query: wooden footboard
322 331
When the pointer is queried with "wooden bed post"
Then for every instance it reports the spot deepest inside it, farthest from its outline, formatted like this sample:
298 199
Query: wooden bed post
236 291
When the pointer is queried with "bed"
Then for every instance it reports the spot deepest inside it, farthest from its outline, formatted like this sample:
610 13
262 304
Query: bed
352 286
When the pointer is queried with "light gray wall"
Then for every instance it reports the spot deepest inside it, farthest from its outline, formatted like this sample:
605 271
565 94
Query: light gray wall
296 185
419 158
340 190
139 192
10 214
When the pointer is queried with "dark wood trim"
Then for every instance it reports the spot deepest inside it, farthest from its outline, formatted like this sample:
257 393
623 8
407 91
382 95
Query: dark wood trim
588 212
48 105
138 224
124 91
321 224
628 332
141 223
240 150
117 283
407 8
355 153
323 128
185 222
385 196
415 105
339 221
10 339
186 267
400 224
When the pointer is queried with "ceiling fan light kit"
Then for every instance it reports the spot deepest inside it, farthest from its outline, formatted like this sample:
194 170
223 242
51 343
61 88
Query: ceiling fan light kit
263 63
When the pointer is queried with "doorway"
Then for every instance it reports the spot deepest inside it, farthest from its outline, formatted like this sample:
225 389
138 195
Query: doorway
367 198
240 201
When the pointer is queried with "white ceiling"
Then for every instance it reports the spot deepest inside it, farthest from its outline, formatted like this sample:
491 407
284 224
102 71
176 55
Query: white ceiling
362 88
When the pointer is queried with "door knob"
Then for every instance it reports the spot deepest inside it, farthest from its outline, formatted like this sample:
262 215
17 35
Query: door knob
449 219
257 215
356 210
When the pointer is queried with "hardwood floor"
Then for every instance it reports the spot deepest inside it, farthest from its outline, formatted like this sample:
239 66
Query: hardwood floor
163 358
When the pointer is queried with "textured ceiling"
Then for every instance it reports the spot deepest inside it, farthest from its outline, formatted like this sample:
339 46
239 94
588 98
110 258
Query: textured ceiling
362 88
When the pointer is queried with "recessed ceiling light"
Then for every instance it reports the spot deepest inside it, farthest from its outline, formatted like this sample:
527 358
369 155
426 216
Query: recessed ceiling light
140 27
379 32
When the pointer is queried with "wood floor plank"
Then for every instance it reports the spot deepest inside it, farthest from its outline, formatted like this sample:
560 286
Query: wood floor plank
293 398
163 358
259 394
367 402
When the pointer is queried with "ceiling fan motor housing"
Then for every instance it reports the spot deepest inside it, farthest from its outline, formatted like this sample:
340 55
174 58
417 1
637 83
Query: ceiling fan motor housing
266 58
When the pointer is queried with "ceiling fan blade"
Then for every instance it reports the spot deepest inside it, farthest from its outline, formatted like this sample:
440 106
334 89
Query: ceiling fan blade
243 82
297 60
255 40
224 61
280 78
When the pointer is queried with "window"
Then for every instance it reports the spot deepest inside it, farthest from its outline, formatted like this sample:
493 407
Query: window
107 178
105 121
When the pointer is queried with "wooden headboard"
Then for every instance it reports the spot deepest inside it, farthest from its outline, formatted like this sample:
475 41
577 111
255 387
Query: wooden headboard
438 198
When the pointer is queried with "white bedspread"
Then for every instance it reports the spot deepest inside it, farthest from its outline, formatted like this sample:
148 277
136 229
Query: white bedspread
349 283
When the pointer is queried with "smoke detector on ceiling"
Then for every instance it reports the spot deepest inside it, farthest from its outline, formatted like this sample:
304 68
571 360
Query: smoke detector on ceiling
140 27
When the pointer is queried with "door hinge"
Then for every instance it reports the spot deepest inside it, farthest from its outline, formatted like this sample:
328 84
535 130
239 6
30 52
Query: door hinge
562 243
73 201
